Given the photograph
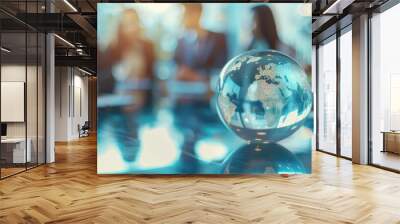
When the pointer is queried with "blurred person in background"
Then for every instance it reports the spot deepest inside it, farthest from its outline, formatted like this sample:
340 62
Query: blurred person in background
265 33
199 51
128 62
199 55
126 77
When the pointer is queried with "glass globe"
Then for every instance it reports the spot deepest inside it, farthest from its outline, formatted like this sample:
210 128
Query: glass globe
263 96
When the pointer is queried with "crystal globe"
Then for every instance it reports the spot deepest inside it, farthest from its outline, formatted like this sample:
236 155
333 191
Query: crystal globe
263 96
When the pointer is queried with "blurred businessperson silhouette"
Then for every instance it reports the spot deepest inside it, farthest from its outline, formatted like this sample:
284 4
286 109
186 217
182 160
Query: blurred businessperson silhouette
265 33
199 51
129 57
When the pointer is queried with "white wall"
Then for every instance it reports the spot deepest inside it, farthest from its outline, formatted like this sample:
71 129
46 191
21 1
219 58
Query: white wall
71 94
13 100
62 81
81 100
12 73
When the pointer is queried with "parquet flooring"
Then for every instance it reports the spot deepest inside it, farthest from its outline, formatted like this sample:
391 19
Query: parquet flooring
10 171
70 191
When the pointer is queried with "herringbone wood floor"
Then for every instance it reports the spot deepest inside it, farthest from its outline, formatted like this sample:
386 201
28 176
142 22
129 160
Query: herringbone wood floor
69 191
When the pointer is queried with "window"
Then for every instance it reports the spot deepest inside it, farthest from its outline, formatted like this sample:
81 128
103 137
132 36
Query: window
346 94
327 97
385 89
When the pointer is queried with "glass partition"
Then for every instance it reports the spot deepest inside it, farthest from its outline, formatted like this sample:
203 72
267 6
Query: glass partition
22 78
13 105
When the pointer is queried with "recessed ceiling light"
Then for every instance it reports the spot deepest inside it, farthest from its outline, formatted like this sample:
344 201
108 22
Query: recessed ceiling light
337 7
332 6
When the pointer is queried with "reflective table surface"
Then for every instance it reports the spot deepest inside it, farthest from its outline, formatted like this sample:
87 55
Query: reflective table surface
184 135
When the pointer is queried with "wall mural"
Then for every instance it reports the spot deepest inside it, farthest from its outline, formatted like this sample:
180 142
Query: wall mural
204 88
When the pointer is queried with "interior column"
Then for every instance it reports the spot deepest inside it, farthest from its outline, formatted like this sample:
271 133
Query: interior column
360 90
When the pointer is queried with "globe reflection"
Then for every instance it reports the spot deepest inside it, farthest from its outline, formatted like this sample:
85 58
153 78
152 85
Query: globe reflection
263 96
263 159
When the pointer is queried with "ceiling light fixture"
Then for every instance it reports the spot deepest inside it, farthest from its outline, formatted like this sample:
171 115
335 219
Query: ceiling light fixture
70 5
84 71
5 50
333 6
337 7
64 40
